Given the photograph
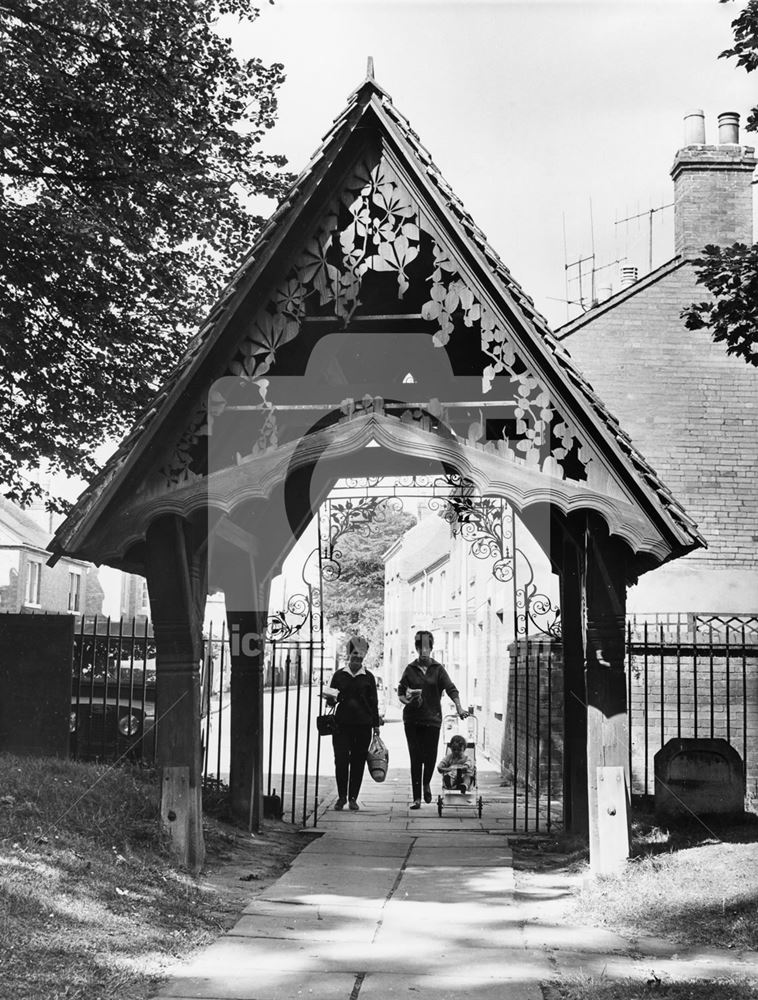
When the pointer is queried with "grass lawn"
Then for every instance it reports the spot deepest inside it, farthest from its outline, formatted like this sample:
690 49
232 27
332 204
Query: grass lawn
693 884
91 905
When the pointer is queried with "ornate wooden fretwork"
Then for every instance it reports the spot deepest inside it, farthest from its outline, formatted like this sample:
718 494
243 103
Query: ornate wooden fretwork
376 227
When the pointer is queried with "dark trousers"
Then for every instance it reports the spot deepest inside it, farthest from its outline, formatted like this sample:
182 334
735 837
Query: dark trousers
422 749
351 745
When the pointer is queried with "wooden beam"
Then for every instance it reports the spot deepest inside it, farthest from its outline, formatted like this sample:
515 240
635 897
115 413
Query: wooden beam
231 532
176 575
573 581
607 716
246 615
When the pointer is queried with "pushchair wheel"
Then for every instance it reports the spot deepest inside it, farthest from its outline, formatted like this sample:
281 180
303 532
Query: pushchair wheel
439 805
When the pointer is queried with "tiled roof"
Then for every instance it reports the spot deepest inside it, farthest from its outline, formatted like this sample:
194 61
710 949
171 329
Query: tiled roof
621 296
25 528
371 95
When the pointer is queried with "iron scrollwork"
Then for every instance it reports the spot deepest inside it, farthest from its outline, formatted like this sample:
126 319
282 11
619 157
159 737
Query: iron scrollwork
535 609
483 525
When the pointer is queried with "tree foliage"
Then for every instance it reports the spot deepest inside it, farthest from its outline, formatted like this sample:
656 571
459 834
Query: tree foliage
354 601
731 273
130 148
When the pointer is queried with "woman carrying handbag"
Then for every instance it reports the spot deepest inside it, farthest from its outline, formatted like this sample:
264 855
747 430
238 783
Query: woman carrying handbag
353 690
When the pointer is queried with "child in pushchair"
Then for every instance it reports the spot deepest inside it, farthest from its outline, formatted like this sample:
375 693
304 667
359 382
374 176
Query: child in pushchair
456 767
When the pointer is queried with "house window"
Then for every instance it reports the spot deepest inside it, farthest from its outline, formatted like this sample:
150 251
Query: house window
74 591
145 598
443 592
34 573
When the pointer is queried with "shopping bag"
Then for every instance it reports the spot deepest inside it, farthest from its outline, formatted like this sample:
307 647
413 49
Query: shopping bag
326 724
378 758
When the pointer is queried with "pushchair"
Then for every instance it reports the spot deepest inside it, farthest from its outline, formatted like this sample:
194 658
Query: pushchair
466 795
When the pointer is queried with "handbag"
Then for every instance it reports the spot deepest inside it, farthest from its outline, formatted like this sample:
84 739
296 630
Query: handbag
326 724
378 758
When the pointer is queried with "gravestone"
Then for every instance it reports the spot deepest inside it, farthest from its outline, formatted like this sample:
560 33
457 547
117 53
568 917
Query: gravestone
35 684
698 777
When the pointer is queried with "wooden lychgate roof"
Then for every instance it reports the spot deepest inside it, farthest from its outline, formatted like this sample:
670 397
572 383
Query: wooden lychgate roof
370 243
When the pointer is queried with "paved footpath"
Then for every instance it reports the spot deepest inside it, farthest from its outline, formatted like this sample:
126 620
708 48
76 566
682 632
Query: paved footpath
391 903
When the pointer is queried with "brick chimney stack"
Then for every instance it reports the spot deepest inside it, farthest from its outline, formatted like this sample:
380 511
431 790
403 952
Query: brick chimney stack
713 199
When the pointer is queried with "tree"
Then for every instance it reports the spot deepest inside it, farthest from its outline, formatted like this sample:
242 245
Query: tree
354 600
731 273
131 147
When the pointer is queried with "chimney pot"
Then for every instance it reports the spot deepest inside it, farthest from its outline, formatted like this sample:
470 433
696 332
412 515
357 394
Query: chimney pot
713 198
729 128
694 128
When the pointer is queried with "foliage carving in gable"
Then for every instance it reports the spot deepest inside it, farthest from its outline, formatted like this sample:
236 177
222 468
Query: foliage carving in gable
375 227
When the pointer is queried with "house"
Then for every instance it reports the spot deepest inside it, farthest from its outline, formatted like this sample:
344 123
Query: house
692 410
28 584
475 591
135 600
687 405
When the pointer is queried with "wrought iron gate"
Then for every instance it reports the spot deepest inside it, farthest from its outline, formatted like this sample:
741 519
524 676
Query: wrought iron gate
526 732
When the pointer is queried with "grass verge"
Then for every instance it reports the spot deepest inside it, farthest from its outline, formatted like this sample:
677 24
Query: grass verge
91 905
693 884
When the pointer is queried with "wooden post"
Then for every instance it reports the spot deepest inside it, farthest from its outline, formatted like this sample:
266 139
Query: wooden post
573 582
176 580
607 717
246 615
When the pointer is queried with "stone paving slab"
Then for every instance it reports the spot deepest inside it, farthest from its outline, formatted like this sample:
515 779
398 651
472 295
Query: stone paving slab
435 986
487 886
451 857
316 885
442 941
353 860
300 911
263 961
287 986
313 926
385 847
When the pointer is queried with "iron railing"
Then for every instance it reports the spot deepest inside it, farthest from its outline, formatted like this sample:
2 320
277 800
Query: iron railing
691 675
113 699
532 757
113 691
293 679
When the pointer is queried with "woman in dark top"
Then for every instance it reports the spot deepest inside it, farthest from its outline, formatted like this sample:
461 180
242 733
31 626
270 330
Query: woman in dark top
353 690
420 690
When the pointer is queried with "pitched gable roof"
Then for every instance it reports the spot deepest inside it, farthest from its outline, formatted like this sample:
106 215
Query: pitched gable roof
620 296
370 106
21 527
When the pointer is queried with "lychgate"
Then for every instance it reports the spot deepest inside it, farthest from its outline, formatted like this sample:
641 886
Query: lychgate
371 331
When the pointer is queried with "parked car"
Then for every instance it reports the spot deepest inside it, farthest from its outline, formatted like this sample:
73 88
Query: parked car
113 717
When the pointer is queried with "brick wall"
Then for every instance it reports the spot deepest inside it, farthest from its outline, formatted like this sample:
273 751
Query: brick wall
54 583
533 736
690 408
712 196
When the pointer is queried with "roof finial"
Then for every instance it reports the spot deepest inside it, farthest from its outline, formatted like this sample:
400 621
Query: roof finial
370 68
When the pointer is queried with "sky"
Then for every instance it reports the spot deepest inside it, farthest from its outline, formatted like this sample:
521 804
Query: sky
534 111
